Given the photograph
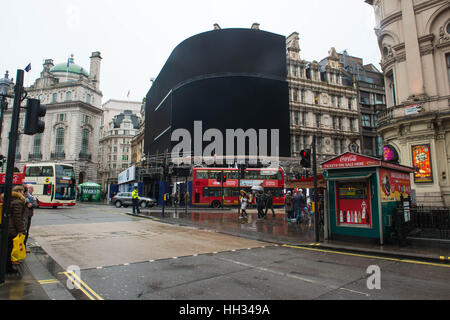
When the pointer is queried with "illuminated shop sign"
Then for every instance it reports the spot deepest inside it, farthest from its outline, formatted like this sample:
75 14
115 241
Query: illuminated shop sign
390 154
421 156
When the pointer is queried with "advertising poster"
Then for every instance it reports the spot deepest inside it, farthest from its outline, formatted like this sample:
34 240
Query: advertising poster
353 204
421 156
393 185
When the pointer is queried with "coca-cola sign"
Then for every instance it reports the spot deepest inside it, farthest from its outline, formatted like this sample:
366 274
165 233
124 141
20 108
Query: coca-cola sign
350 160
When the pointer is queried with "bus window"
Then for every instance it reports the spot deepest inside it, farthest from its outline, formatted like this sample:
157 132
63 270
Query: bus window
253 174
231 192
32 171
235 174
212 192
228 174
46 172
202 174
214 173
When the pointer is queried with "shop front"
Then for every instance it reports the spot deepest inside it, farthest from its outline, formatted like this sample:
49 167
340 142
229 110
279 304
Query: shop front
362 193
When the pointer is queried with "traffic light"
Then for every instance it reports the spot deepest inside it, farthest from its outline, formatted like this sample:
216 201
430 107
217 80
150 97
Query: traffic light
35 110
306 158
221 177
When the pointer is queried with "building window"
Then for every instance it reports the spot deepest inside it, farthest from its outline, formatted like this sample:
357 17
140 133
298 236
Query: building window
391 85
61 117
301 72
316 98
59 142
84 141
126 132
333 101
68 96
334 123
294 71
350 104
85 118
304 142
336 146
303 96
37 144
54 97
352 124
365 118
340 123
304 119
447 56
339 101
318 116
342 142
297 144
319 144
88 98
296 117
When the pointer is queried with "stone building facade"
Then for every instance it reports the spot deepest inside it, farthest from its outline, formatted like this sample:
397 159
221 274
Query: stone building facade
121 123
321 104
414 40
72 122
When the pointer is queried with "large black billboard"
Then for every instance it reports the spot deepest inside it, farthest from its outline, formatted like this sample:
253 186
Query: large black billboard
227 79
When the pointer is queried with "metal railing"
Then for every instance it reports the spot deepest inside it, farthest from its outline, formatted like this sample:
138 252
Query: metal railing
427 222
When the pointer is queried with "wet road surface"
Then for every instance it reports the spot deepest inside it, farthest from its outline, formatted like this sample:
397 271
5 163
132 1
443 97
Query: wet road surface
125 257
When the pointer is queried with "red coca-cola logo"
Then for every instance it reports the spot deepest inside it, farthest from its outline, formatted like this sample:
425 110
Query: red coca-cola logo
349 158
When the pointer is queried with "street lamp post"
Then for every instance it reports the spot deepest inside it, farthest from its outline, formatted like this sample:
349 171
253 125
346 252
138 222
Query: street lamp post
18 92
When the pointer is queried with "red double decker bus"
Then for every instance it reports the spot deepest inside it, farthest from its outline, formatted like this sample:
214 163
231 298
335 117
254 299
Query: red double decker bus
209 192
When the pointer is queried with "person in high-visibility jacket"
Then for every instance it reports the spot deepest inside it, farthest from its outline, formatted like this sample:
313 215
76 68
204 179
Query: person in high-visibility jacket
135 199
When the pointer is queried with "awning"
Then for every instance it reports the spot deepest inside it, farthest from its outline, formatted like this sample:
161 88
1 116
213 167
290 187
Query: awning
346 177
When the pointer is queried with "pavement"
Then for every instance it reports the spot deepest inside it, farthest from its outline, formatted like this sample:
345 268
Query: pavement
37 281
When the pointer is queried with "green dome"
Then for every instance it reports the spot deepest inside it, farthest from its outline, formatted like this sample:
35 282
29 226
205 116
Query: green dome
73 68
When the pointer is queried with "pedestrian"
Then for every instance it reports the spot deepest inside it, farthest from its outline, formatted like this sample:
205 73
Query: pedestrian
16 223
298 205
187 197
289 205
244 203
135 199
31 204
259 204
269 204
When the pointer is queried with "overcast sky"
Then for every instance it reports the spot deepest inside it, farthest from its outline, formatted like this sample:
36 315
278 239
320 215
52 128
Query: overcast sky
135 37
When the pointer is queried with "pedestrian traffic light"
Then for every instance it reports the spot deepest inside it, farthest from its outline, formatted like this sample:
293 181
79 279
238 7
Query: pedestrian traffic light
306 158
35 110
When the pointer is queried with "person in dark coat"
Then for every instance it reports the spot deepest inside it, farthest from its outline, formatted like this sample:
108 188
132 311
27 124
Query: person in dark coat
298 204
269 204
289 205
16 223
31 204
259 204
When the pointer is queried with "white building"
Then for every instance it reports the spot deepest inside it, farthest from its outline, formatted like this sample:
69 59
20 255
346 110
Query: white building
120 123
72 121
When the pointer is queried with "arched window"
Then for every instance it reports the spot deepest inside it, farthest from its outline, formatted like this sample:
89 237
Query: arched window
68 96
59 142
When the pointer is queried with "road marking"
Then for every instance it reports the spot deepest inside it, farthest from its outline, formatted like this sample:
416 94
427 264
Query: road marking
369 256
83 286
49 281
366 294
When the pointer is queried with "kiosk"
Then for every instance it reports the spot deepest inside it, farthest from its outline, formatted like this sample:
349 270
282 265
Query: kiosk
362 194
